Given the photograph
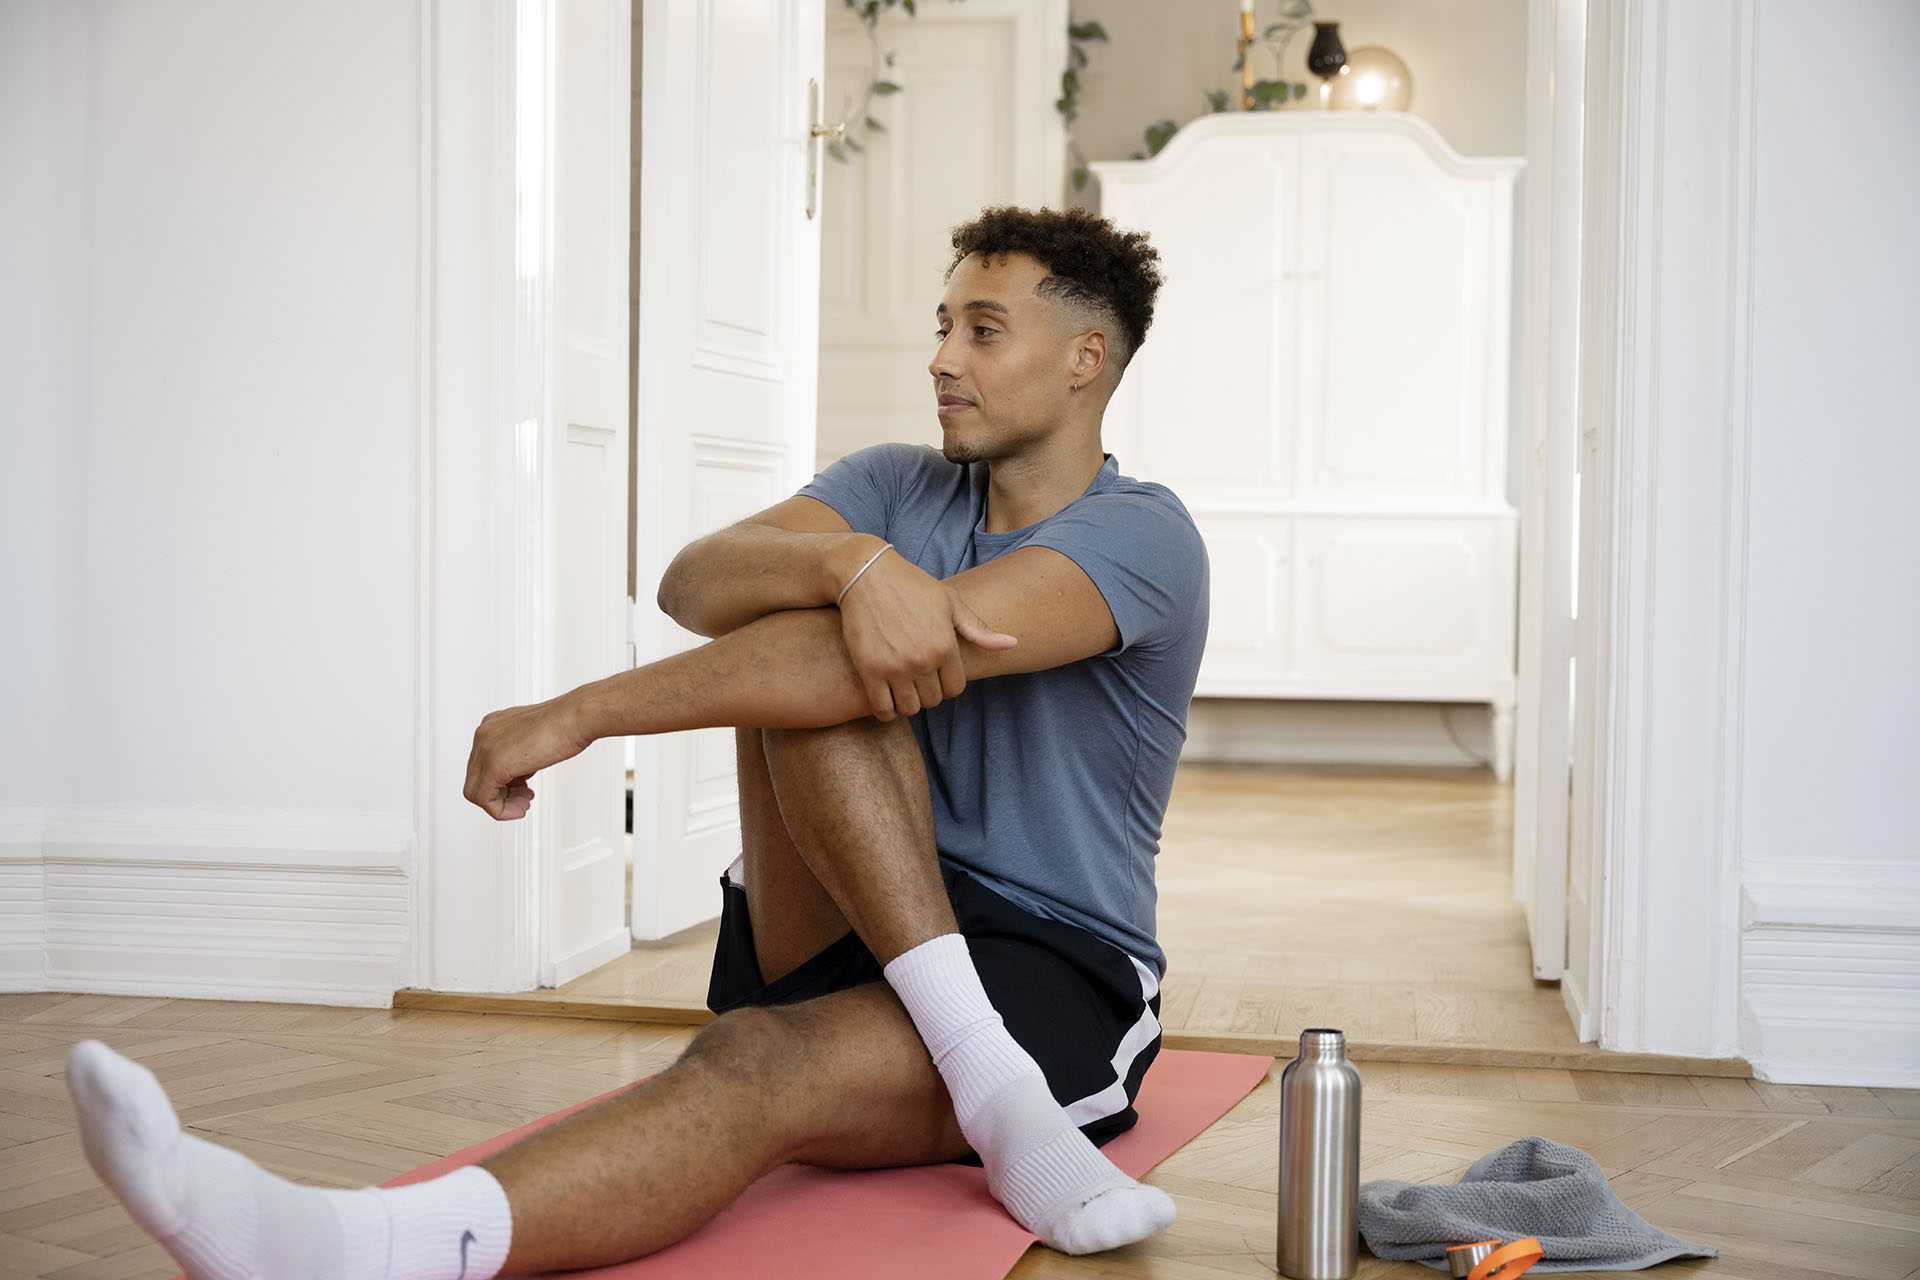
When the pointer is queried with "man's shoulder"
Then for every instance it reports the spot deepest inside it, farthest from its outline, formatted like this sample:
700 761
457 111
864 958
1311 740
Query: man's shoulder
1151 493
1141 506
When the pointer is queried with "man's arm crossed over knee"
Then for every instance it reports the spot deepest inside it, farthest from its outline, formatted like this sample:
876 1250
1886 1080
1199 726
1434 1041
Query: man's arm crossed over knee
899 641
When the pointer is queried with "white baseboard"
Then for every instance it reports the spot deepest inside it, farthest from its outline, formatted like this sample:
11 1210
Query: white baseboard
1573 997
299 906
1830 972
1282 731
23 900
592 956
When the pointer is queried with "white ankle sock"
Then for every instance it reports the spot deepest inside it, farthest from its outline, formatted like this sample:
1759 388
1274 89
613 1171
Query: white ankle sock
223 1217
1039 1166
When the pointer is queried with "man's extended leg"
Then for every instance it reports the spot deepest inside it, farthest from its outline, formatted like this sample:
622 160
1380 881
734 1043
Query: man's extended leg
842 1081
853 802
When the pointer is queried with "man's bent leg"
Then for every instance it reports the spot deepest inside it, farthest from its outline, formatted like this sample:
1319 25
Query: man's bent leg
841 1081
854 803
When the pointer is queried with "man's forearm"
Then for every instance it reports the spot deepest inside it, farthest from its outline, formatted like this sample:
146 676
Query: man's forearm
785 671
788 670
727 579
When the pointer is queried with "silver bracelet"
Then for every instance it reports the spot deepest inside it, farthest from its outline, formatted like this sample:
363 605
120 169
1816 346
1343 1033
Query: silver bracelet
862 569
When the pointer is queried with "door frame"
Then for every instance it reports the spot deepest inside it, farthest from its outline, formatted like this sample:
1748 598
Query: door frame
1666 288
485 629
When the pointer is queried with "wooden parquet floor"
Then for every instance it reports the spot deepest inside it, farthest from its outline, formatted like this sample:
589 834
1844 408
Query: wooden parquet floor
1792 1183
1376 901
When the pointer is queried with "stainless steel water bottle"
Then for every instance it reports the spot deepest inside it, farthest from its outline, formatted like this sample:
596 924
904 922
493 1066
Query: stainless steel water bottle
1319 1160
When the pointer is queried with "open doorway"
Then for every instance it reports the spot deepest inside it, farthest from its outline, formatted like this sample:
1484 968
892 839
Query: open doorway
1381 895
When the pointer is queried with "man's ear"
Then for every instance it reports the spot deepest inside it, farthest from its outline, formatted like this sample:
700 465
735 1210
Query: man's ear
1089 357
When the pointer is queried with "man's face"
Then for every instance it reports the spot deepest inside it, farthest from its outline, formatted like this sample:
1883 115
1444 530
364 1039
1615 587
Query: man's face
1001 373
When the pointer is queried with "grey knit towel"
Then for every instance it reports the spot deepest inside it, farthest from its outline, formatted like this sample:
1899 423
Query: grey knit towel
1534 1187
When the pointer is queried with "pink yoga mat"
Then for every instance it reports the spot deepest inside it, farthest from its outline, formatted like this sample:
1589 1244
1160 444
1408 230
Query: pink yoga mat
935 1222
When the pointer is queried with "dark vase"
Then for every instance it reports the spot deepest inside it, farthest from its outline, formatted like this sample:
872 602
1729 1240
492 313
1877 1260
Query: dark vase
1327 55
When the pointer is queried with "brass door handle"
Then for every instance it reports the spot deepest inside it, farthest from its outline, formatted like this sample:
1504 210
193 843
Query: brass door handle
815 133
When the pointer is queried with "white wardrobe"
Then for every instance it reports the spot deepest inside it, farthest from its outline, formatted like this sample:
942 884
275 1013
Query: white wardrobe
1325 386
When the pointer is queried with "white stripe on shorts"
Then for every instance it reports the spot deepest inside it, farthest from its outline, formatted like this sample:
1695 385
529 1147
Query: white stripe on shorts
1113 1099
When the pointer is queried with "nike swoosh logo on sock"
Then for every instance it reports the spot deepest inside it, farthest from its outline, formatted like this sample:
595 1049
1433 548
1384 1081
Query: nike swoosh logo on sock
466 1238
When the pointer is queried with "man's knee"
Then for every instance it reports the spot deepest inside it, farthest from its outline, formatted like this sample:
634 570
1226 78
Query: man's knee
791 1043
750 1043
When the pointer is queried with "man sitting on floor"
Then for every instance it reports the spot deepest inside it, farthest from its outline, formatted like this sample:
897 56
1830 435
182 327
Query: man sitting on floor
940 933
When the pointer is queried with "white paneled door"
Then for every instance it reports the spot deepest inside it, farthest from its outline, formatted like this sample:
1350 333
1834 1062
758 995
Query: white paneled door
1550 410
727 365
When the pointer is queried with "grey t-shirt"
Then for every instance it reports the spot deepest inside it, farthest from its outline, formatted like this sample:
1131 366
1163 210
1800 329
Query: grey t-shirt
1049 787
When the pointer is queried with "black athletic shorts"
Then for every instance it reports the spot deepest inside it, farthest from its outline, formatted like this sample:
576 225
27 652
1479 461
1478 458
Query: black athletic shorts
1085 1010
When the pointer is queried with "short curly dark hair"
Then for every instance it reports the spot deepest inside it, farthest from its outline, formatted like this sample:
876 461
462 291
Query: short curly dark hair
1095 265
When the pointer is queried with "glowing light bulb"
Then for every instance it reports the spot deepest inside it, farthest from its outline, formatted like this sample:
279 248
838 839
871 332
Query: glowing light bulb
1374 79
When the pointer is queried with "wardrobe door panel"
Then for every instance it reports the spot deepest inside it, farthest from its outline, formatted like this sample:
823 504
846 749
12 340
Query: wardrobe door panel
1394 325
1206 406
1387 597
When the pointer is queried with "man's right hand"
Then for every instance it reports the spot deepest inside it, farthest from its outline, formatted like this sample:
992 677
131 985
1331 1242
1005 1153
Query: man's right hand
511 745
903 629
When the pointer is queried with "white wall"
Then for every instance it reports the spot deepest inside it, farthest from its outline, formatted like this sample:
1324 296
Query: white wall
212 258
42 125
1830 731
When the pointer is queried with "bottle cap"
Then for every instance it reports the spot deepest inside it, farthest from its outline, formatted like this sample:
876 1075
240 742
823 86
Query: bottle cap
1318 1041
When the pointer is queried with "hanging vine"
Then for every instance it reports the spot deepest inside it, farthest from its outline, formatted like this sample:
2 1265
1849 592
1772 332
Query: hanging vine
880 83
1079 35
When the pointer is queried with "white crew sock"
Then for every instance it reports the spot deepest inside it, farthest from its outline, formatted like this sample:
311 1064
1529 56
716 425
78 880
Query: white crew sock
223 1217
1039 1166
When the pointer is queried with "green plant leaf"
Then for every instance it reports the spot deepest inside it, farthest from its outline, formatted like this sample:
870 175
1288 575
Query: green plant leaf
1218 101
852 145
1158 135
835 150
875 125
885 87
1079 55
1299 90
1079 179
908 6
1087 31
1070 81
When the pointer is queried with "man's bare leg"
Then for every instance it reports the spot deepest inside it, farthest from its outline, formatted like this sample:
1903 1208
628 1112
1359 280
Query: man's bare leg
842 1081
